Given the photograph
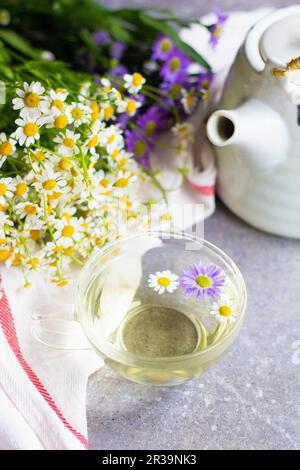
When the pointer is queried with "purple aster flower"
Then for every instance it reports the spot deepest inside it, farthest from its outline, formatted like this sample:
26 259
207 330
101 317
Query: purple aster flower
101 38
204 280
204 80
174 90
118 71
152 121
117 49
175 67
162 48
139 145
217 28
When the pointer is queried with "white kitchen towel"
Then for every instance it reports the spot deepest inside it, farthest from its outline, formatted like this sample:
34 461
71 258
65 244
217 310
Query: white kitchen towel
43 390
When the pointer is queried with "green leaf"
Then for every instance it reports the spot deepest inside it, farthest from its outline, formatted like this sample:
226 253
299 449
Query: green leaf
18 43
6 72
166 28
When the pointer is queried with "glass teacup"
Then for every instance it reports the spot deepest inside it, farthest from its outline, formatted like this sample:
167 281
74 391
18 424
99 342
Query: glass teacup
160 308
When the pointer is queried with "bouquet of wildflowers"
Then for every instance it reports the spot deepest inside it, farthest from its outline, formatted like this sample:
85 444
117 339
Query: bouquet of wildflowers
80 122
64 175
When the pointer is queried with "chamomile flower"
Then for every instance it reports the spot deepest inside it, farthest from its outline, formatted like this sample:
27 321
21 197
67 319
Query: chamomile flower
7 187
112 138
28 131
7 147
29 211
5 224
79 114
123 181
224 309
163 281
69 230
31 102
21 187
134 82
67 143
107 111
49 182
129 106
189 100
57 100
183 130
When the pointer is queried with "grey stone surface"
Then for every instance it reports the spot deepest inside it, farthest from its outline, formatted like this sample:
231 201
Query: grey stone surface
251 399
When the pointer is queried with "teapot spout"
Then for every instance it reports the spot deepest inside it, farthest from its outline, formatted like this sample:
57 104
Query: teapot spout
259 133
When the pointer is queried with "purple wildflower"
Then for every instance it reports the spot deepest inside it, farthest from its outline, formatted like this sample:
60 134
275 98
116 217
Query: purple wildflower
139 145
118 71
174 90
175 67
204 280
217 28
101 38
152 121
204 80
162 48
117 49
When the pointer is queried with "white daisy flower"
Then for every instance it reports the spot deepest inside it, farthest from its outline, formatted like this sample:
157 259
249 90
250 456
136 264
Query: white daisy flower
134 82
28 210
107 111
69 231
123 181
21 187
57 100
67 143
189 101
28 131
49 182
224 309
7 147
7 188
106 84
5 223
79 114
183 130
112 137
129 106
30 100
163 281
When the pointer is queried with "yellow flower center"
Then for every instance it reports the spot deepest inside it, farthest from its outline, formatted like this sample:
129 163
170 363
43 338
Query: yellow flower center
175 89
3 189
34 262
4 255
65 164
104 182
140 148
58 104
190 100
166 217
31 129
21 189
60 122
2 208
225 310
54 196
68 251
166 45
182 129
62 283
77 113
2 241
163 281
122 183
95 107
217 32
49 185
30 209
111 139
35 234
32 100
115 153
69 142
68 231
39 155
6 148
175 64
17 260
123 161
131 106
150 128
93 141
137 79
203 281
108 112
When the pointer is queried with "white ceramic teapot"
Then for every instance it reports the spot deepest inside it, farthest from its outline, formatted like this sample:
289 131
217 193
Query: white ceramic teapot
257 132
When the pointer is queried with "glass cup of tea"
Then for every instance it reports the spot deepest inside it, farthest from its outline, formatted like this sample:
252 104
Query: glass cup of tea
160 308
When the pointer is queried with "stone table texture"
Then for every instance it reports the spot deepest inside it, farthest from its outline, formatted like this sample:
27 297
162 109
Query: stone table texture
249 400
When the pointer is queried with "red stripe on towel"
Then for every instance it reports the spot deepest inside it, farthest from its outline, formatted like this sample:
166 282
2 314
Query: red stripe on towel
8 327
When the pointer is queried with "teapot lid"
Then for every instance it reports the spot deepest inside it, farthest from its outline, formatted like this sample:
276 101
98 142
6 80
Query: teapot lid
281 41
